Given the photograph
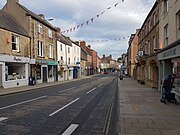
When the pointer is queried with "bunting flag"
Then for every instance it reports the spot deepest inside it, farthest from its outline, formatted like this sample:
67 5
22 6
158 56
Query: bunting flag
110 40
90 20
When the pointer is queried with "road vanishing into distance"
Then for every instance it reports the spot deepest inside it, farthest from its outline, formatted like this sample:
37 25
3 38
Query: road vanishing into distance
81 107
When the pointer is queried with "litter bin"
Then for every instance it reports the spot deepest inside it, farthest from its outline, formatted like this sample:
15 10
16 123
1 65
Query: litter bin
32 81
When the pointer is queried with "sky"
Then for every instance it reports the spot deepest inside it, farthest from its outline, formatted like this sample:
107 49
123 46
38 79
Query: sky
110 22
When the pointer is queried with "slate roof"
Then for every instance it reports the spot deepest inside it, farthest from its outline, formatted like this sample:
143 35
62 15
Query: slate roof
7 22
63 39
36 17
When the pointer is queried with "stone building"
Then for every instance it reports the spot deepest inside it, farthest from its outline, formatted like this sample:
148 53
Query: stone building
43 42
148 44
14 52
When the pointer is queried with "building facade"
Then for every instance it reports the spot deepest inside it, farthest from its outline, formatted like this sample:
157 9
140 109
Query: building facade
169 38
148 44
14 53
43 42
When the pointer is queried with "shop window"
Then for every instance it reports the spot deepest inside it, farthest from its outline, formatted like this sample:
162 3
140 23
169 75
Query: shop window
38 72
15 43
14 71
50 71
69 72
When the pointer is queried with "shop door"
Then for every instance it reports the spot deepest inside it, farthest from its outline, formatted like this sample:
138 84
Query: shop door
44 74
0 75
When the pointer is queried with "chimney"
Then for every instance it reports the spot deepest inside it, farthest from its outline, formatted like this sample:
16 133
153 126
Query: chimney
111 57
12 1
58 30
89 46
103 55
83 44
42 16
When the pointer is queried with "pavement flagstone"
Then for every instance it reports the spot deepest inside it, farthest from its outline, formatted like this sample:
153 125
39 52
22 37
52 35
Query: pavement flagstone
142 113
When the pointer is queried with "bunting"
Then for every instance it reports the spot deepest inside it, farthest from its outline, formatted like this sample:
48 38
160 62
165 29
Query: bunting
88 21
109 40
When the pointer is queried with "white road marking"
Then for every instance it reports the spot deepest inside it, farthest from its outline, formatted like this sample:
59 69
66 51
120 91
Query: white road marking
67 89
22 102
64 107
100 85
70 129
84 84
90 91
3 118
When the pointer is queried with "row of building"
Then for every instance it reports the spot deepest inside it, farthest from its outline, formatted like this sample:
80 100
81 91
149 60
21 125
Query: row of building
33 51
154 49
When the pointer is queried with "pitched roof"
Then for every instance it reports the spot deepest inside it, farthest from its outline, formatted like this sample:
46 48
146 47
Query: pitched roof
36 17
68 42
7 22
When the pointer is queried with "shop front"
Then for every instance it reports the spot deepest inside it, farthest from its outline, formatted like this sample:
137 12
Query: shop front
14 71
46 71
169 59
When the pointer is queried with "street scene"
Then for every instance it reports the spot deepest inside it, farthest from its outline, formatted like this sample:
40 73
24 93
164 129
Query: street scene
72 67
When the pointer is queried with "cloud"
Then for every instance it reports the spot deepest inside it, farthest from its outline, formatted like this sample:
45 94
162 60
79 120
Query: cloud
116 22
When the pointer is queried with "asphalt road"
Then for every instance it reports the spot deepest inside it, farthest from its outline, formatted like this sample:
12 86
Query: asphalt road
80 107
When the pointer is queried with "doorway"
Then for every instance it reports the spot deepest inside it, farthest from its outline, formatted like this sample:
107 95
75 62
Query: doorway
44 74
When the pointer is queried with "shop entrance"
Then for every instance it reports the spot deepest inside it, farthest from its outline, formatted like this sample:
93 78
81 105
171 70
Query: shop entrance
44 74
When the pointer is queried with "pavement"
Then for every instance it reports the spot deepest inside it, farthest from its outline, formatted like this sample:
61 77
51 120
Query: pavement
142 113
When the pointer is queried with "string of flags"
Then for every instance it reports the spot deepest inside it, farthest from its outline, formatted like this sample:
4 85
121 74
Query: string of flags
109 40
88 21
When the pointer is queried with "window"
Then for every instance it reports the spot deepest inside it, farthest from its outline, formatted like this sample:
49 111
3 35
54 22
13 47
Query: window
61 47
166 6
15 43
154 43
149 26
50 33
178 24
38 72
154 19
61 57
149 47
69 61
50 51
74 60
40 28
40 48
166 35
68 49
50 71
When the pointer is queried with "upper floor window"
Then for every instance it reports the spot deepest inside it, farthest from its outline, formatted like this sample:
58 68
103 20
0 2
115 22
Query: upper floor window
61 47
40 28
154 43
149 25
68 49
15 43
166 6
178 24
166 35
154 19
50 51
40 48
50 33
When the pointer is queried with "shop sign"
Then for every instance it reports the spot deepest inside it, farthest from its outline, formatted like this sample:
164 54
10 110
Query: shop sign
32 61
17 59
169 53
52 62
41 62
